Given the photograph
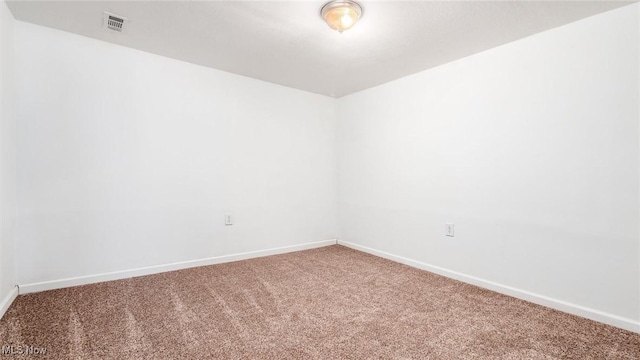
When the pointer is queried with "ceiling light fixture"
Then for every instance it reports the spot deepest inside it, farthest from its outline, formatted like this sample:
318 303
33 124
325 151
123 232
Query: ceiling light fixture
341 15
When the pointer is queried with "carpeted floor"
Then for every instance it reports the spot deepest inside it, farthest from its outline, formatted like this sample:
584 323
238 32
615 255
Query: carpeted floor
327 303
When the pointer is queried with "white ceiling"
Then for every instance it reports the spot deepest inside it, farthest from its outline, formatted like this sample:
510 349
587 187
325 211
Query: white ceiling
286 42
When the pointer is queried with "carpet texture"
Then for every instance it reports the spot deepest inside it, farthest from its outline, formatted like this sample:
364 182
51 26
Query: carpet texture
326 303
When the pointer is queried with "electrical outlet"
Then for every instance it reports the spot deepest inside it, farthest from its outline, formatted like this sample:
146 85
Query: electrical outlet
449 230
228 219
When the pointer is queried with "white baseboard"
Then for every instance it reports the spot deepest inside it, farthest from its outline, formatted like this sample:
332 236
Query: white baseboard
124 274
8 300
592 314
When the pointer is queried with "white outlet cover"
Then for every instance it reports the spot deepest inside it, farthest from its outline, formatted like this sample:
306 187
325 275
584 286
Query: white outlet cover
449 230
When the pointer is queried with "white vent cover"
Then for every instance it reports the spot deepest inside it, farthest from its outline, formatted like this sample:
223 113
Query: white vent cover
114 22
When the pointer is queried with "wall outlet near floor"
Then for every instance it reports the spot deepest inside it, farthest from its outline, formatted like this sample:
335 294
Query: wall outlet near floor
449 230
228 219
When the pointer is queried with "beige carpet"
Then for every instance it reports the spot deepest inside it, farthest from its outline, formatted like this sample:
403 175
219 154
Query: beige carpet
327 303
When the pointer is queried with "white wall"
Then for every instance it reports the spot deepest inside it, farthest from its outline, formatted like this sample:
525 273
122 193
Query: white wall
531 149
7 154
128 159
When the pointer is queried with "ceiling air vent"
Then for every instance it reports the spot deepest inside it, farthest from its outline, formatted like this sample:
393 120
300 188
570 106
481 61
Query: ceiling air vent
114 22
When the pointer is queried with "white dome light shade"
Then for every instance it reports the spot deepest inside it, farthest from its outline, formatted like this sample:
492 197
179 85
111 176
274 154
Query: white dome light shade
341 14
